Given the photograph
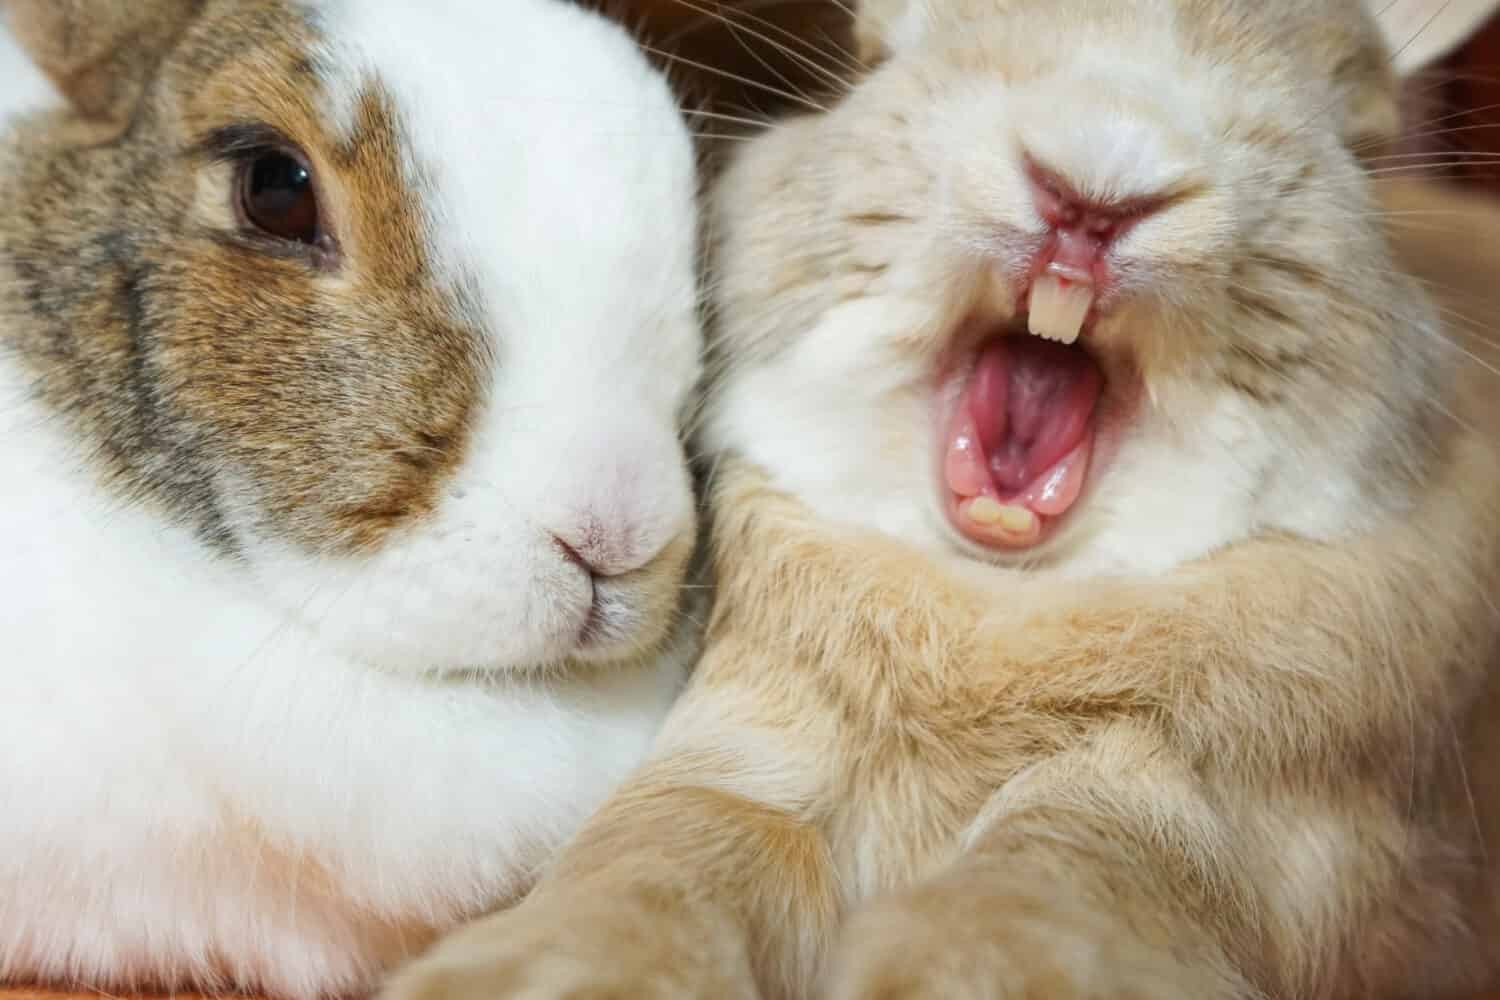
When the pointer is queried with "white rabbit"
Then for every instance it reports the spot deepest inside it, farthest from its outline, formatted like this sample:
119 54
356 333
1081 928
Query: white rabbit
343 514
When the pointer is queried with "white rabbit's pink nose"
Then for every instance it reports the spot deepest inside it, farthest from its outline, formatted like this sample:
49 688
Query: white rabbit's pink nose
625 511
603 550
614 547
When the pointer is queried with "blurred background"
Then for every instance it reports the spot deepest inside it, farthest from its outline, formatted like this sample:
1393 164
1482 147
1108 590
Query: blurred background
1467 86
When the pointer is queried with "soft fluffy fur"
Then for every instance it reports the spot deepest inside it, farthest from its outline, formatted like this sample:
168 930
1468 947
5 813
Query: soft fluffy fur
1227 734
298 665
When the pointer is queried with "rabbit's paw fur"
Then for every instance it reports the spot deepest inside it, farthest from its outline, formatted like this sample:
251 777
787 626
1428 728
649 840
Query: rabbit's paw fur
563 952
974 943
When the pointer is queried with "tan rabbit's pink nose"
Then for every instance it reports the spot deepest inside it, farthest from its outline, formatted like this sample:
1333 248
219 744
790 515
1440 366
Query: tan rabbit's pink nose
1072 269
1082 229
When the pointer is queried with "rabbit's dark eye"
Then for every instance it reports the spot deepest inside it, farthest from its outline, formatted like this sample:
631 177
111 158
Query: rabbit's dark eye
277 197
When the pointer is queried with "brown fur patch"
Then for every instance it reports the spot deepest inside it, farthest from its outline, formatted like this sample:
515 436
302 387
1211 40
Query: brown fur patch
325 398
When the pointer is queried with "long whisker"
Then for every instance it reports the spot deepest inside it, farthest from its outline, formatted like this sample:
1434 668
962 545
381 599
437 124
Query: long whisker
1440 157
738 33
720 116
736 15
1465 113
796 98
1456 130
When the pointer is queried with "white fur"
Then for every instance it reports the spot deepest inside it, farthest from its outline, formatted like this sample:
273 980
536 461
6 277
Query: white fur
594 357
22 85
199 770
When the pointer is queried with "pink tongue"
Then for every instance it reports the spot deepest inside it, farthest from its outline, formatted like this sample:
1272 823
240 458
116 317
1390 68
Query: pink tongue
1032 402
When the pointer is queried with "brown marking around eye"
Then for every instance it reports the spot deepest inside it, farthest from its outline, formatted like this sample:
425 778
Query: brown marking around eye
338 402
384 356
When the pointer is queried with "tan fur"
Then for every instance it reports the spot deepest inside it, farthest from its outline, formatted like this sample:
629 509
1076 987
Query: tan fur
902 774
1202 790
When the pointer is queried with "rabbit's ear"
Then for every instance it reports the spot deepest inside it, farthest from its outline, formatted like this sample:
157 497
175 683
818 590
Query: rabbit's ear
882 27
98 53
1422 32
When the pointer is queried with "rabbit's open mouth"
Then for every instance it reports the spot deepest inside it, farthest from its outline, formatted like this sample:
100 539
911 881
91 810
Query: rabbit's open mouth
1021 427
1018 443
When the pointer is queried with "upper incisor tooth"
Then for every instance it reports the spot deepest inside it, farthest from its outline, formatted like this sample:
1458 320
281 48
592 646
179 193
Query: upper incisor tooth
1058 310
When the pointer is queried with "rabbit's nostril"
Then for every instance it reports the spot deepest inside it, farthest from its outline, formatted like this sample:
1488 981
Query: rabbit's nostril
575 557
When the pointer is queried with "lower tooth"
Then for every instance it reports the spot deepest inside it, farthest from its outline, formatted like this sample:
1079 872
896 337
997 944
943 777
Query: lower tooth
1059 308
990 512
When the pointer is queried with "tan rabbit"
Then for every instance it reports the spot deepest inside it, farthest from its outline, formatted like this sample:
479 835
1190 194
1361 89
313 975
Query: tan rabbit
1105 533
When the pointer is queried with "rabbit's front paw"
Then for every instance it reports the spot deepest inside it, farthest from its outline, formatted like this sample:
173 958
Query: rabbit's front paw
554 951
968 943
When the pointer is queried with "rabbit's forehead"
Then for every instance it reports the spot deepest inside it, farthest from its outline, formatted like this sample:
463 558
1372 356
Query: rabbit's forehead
530 133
